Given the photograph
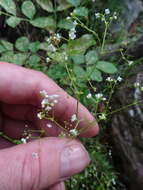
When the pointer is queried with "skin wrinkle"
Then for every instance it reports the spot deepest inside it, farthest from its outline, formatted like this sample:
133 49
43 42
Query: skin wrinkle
28 161
22 172
1 122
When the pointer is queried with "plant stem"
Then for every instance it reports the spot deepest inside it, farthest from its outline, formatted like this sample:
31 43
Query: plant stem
104 37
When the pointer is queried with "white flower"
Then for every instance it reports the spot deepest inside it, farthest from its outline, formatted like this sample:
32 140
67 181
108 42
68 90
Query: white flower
23 140
49 125
75 23
130 63
51 48
89 95
72 35
136 84
48 59
104 99
58 36
97 15
43 93
107 11
48 108
119 79
68 18
113 181
102 116
44 102
109 79
40 115
74 132
73 118
99 95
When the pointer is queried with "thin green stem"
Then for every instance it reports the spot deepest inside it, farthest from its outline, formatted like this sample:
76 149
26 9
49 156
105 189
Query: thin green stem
7 14
104 37
124 107
9 139
88 29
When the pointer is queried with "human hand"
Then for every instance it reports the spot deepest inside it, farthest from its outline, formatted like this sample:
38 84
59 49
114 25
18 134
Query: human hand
41 163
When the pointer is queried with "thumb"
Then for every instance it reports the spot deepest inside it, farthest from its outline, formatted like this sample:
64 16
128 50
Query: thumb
41 163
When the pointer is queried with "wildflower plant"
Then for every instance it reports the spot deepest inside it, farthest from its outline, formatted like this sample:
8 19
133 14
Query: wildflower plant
69 49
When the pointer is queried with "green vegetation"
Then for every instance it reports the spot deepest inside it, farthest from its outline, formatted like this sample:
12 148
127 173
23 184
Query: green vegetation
67 41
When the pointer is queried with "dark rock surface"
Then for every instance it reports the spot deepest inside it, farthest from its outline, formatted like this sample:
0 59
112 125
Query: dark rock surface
130 12
127 131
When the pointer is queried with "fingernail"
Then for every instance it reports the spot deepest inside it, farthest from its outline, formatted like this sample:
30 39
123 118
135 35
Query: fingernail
74 159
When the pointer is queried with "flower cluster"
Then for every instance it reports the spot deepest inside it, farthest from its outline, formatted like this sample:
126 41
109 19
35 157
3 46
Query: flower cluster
100 97
109 79
47 103
73 118
74 132
72 32
102 116
89 96
106 13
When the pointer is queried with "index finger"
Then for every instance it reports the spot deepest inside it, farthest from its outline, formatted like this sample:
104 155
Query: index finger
22 86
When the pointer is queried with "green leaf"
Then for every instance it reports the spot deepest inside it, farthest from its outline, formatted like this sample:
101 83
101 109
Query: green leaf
94 74
106 67
59 57
57 71
28 9
9 6
7 56
80 73
43 22
13 21
81 11
79 46
34 59
46 5
22 44
75 3
63 5
19 58
34 46
78 59
65 24
91 57
7 45
2 49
